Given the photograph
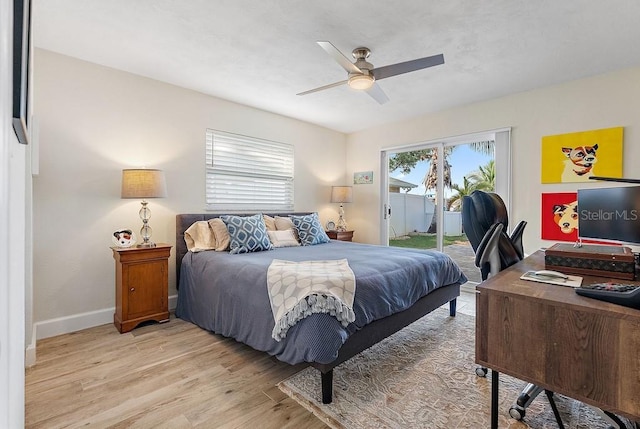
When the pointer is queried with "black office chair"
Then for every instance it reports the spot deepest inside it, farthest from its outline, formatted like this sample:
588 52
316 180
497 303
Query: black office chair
485 220
482 210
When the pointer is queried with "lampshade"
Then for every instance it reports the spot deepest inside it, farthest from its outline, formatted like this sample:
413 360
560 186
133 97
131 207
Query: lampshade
361 81
341 194
143 183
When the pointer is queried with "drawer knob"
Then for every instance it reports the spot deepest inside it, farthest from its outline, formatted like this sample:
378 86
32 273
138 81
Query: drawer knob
132 289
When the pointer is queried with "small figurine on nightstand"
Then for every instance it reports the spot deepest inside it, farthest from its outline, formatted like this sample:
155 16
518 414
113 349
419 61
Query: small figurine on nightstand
124 238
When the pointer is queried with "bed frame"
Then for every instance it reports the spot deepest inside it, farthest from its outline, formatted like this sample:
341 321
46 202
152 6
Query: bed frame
361 340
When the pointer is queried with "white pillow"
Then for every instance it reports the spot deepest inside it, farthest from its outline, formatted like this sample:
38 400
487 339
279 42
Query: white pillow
221 234
199 237
284 238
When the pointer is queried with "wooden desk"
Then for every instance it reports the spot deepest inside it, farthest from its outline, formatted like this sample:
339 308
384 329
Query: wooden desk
552 337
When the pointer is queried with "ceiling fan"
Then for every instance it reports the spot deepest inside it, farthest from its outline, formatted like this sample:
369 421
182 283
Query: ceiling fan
362 74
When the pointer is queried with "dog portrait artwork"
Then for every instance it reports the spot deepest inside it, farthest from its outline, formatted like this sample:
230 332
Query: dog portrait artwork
124 238
566 216
575 157
560 216
578 166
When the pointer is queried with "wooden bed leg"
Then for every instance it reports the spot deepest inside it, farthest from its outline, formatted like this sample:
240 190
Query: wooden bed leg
452 307
327 386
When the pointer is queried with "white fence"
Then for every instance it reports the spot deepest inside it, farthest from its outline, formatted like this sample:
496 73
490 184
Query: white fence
452 223
409 213
413 213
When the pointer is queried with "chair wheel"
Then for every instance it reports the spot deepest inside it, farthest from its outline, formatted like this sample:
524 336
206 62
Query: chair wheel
517 412
481 372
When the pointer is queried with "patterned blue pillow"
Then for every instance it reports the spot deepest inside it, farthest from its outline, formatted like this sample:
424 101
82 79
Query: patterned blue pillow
309 229
247 233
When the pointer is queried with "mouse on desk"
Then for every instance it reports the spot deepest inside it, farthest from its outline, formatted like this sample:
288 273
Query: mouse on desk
550 274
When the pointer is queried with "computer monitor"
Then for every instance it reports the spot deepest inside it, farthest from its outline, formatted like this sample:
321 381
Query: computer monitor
610 214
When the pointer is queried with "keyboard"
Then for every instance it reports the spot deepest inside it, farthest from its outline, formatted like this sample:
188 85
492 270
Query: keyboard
627 295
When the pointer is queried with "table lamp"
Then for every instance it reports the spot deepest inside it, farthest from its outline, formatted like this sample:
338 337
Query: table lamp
144 183
341 194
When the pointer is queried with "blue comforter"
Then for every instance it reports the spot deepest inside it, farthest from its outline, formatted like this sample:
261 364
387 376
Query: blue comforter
227 294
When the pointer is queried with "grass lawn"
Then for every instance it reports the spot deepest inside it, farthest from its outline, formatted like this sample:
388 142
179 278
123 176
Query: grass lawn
426 241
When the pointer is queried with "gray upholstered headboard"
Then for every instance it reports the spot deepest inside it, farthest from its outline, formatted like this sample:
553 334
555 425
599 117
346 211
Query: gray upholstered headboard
184 221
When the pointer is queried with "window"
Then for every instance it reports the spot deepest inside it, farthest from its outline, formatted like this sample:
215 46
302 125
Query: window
247 173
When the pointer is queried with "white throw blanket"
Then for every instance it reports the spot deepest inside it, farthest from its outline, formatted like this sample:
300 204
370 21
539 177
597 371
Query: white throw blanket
299 289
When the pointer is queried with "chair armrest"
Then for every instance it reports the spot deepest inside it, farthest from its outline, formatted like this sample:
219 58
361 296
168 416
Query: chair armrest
516 238
488 251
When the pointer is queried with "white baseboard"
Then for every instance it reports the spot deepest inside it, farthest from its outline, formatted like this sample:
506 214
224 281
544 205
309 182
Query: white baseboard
30 352
78 322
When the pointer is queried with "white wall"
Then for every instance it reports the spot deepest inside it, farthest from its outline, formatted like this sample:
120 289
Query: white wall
598 102
95 121
12 243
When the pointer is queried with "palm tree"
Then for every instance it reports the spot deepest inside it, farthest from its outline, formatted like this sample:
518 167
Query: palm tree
485 147
406 161
454 203
485 176
430 179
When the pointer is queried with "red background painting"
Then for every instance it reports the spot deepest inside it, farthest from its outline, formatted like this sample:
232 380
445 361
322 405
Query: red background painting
550 229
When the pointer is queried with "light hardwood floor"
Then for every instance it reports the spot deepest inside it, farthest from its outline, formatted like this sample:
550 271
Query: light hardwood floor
171 375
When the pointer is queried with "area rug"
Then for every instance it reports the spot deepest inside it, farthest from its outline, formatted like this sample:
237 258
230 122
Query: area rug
424 377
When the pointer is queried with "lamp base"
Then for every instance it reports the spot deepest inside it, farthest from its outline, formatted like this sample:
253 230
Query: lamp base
341 225
147 244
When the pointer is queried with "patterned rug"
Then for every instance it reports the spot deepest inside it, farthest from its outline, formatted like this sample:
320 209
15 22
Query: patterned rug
424 377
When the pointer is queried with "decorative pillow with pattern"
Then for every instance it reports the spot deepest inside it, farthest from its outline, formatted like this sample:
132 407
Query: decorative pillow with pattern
248 233
309 229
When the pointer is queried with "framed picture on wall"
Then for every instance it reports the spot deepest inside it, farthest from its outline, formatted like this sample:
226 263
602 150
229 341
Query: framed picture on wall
21 36
559 216
363 178
574 157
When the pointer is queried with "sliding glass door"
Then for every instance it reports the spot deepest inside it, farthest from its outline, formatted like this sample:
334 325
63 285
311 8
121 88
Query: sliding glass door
426 185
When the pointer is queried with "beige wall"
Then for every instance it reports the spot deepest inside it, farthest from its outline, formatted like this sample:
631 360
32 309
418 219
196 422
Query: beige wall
598 102
95 121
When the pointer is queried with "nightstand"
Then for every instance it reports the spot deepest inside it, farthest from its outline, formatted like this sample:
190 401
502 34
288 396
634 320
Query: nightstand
340 235
142 285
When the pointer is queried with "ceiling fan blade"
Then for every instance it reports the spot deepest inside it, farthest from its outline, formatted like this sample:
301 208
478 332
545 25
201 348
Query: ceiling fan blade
377 94
331 85
407 66
339 57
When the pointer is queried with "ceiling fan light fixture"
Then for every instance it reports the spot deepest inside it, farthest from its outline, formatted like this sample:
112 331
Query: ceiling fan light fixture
361 81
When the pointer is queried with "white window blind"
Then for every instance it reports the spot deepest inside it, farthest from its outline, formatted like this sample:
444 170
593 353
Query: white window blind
247 173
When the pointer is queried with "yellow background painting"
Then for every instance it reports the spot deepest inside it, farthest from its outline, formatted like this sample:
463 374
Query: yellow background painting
557 165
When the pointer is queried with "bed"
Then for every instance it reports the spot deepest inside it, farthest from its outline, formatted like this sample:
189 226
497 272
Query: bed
227 294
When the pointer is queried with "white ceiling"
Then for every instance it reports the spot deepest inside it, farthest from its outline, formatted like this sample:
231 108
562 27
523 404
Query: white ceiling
262 53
